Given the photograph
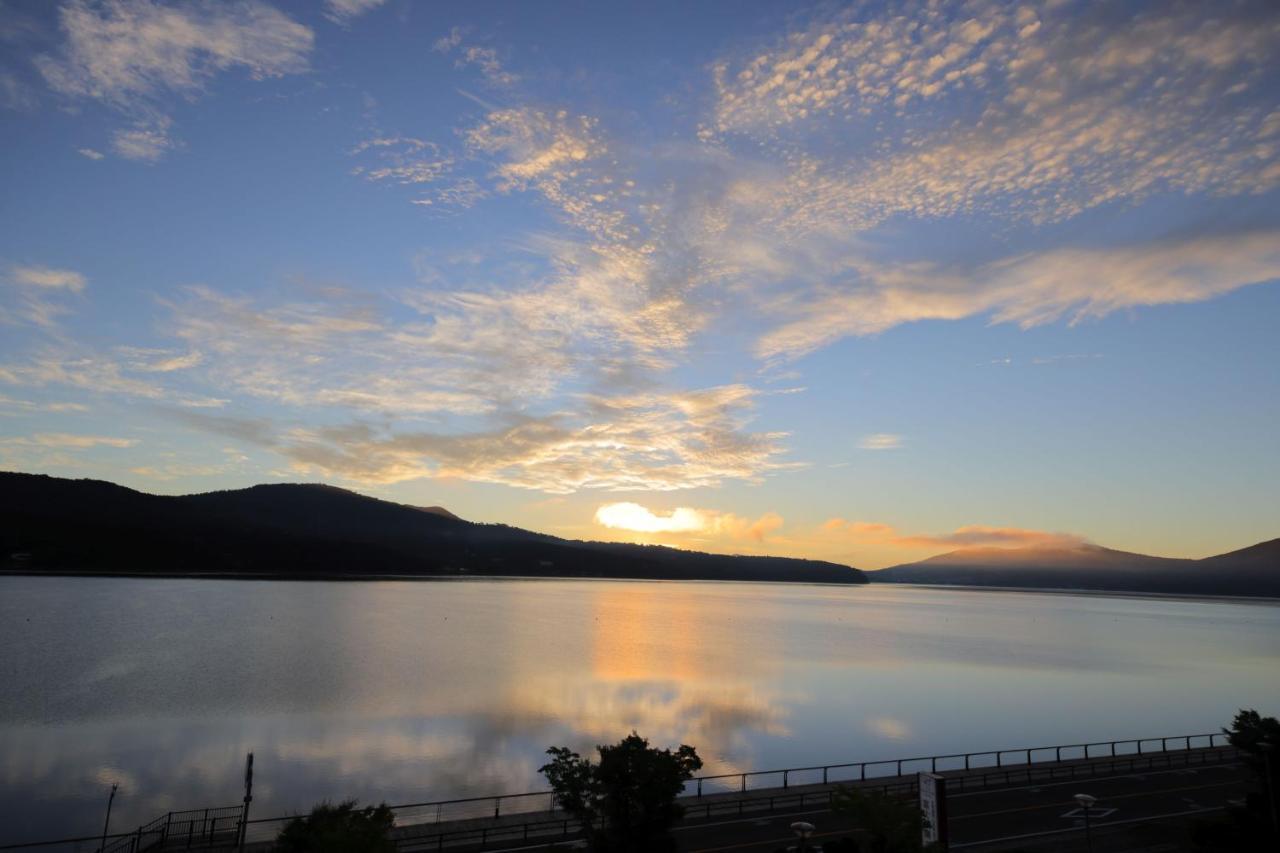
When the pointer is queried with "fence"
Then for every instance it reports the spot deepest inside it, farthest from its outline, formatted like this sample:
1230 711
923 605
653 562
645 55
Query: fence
768 801
471 808
190 827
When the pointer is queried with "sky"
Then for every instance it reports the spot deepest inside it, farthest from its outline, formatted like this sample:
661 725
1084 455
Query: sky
861 282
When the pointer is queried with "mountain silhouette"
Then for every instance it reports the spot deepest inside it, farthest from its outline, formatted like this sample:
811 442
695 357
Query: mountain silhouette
1252 571
58 525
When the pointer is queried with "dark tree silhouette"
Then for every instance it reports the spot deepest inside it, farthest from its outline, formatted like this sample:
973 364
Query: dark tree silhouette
627 800
1251 827
339 829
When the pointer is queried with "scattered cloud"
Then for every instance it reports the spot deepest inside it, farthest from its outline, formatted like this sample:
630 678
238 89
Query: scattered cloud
91 153
120 51
159 360
485 59
1029 289
64 440
131 54
880 441
146 142
34 295
342 11
47 277
659 442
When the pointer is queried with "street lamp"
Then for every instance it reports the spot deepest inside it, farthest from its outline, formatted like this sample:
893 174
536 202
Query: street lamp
107 822
1086 802
802 830
1267 748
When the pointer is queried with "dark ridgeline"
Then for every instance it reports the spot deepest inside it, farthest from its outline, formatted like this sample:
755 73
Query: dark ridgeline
1253 571
50 524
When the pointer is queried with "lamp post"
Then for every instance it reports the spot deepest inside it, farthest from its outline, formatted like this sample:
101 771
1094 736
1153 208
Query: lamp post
802 830
1086 802
107 823
1267 748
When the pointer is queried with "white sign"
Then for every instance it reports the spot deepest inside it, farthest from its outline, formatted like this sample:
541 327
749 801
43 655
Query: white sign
929 808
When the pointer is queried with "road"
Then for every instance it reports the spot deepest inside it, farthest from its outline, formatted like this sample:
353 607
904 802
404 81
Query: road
1018 814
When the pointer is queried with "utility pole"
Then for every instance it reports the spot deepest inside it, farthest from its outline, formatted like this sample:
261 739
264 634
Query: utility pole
248 798
107 823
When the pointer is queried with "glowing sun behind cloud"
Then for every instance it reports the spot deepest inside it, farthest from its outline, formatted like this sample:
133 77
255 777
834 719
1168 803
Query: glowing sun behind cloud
632 516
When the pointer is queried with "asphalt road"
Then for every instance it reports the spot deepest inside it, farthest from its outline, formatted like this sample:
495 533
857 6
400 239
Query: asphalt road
1020 812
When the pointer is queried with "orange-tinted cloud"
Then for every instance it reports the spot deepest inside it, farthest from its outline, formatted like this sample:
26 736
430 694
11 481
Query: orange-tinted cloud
969 536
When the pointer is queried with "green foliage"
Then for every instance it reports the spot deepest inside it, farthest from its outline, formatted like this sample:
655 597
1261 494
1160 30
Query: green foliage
339 829
887 824
626 800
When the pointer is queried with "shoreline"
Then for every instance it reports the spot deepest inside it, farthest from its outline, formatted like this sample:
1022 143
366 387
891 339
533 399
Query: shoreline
467 576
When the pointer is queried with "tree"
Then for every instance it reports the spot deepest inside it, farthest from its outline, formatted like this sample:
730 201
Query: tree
1250 827
888 824
339 829
627 800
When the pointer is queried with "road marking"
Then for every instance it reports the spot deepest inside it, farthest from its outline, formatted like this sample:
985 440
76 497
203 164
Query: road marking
1078 814
1149 819
1076 781
784 841
954 818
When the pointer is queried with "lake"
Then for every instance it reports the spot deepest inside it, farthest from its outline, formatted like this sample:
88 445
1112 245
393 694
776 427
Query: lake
418 690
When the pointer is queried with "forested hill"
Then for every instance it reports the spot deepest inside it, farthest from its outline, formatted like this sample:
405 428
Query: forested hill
50 524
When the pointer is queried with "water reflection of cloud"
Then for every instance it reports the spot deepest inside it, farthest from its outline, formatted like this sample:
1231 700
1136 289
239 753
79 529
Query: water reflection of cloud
889 728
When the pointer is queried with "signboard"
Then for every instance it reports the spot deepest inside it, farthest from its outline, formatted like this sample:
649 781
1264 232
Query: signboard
933 809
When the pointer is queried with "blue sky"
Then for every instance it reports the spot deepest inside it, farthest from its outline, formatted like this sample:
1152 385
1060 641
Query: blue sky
861 282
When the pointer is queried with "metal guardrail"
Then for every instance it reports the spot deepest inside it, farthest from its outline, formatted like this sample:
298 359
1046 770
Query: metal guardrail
563 828
444 811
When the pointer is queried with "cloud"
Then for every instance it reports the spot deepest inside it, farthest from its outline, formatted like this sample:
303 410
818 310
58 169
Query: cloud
483 58
632 516
88 373
659 442
342 11
404 160
131 54
970 536
880 441
1037 111
33 295
704 523
47 277
121 50
146 142
67 440
159 360
91 153
1029 289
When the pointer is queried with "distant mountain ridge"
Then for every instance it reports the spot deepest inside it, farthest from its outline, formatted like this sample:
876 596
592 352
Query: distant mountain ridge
51 524
1252 571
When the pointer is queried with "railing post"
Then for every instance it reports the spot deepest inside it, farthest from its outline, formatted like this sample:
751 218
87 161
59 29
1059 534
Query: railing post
1113 749
966 761
1028 756
497 807
862 772
1086 752
785 775
1057 753
1164 744
998 764
933 764
164 836
699 787
824 775
744 783
1139 747
899 768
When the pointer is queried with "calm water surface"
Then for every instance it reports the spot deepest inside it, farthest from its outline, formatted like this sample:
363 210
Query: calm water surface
411 691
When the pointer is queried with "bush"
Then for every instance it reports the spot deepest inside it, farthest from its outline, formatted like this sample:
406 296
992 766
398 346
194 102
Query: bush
339 829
